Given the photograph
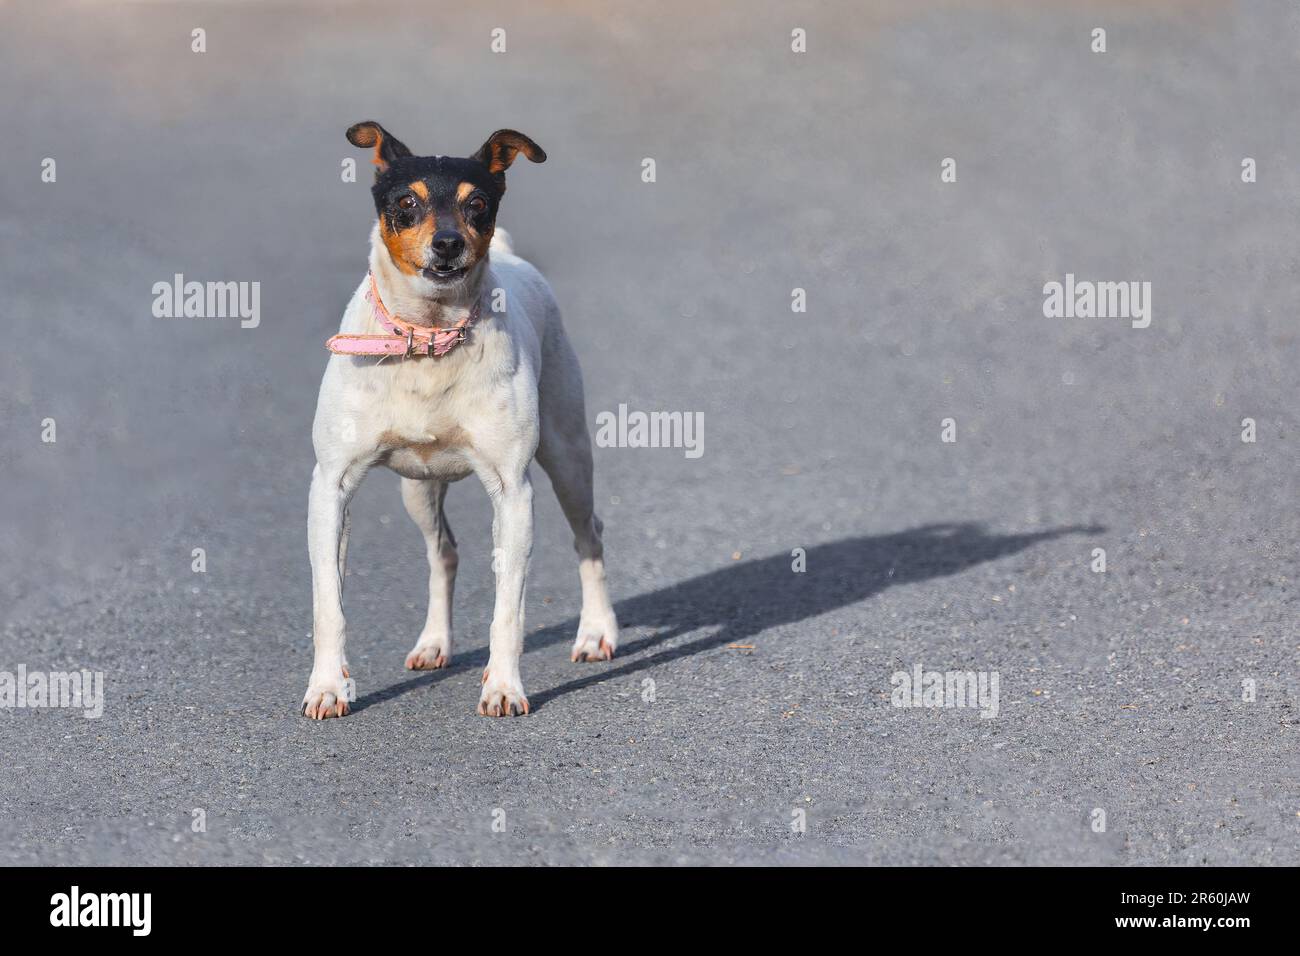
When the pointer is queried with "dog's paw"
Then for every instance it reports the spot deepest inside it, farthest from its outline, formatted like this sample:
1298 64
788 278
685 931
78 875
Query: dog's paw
329 696
501 697
430 656
597 639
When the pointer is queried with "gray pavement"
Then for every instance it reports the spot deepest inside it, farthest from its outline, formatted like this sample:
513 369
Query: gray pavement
743 691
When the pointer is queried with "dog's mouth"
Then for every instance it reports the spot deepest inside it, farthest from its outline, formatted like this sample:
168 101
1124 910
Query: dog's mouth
439 272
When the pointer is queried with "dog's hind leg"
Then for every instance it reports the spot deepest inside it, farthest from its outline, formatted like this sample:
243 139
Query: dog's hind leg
423 500
564 451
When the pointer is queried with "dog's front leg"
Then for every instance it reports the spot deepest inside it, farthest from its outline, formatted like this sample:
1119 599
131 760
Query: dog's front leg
328 691
512 539
423 500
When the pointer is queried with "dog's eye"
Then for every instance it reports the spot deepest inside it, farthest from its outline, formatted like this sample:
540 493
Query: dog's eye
407 202
477 204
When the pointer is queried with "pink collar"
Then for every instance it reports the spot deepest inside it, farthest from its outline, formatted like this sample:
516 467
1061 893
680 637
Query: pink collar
405 339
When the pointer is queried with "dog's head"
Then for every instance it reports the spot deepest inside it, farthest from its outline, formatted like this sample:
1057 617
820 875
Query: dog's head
437 213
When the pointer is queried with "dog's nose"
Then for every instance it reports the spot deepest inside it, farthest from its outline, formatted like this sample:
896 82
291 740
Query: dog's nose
447 244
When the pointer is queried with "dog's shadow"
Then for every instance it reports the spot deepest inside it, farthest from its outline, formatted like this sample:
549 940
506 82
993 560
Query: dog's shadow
740 600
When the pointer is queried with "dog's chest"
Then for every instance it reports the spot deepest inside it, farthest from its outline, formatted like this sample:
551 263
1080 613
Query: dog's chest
420 420
435 456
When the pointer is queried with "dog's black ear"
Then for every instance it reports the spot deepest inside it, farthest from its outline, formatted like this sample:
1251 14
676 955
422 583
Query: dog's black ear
501 149
387 147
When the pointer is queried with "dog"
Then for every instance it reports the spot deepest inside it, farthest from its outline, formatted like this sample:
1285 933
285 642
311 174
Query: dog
451 360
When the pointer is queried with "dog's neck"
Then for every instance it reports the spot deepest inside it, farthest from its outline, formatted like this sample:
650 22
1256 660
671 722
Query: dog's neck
418 300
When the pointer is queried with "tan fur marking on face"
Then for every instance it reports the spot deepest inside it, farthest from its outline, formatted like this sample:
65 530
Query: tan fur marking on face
420 189
463 191
454 437
409 248
478 241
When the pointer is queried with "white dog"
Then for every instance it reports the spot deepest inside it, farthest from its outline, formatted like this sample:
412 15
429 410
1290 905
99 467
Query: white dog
450 362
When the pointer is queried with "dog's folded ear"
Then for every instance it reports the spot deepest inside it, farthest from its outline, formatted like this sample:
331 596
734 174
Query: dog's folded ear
501 149
387 147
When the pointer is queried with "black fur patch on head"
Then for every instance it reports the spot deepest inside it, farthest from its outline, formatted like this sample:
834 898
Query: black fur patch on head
442 177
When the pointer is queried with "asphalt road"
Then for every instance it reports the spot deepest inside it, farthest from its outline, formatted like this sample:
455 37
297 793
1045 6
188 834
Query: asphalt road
743 691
